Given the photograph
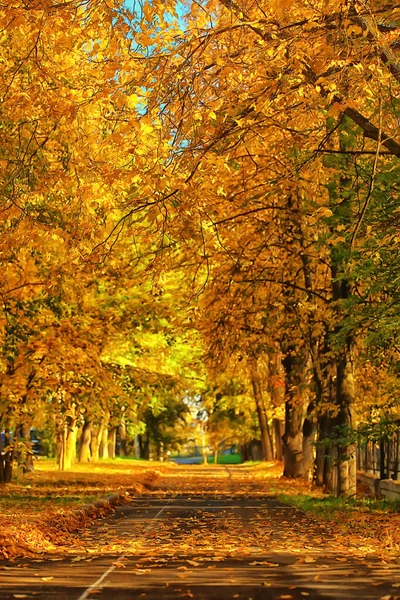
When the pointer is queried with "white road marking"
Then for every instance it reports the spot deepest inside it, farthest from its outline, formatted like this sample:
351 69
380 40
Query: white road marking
98 585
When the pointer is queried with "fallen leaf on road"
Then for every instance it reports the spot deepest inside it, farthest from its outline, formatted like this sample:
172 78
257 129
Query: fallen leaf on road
193 563
141 571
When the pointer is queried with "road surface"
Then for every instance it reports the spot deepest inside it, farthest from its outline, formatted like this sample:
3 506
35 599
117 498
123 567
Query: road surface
208 533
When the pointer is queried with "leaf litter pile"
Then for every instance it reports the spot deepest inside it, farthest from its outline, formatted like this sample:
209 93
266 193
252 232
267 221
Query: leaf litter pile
46 510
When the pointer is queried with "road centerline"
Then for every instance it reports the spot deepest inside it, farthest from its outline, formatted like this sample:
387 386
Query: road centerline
99 583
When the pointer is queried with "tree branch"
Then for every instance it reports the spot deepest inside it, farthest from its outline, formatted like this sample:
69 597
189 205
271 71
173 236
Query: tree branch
373 132
248 212
293 286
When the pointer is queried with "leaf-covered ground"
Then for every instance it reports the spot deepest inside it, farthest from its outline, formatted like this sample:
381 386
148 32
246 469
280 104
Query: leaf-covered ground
363 525
203 532
40 510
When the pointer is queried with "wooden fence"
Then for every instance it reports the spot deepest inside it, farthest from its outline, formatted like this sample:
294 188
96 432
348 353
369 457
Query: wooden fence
381 457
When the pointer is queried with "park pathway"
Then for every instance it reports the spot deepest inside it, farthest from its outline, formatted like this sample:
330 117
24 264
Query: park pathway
207 533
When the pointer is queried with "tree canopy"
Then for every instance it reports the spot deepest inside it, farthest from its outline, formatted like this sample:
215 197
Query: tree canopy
201 200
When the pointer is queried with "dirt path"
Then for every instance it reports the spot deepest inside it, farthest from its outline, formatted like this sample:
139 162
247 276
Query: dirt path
204 533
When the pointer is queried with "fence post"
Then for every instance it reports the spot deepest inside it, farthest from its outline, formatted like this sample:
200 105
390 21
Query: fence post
396 457
382 458
366 457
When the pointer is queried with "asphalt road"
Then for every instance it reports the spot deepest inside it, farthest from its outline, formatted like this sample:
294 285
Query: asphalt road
229 541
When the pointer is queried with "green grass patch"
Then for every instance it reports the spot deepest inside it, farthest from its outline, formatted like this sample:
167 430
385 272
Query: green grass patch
226 459
326 506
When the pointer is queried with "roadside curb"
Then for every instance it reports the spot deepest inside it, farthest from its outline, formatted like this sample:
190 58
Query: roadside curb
104 506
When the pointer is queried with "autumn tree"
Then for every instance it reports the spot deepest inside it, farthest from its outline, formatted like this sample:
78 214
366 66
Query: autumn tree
265 92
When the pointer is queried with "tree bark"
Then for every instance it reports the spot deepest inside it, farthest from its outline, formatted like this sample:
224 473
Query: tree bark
85 442
216 456
321 467
345 396
122 438
94 443
144 445
70 441
24 454
61 444
244 452
309 430
204 447
112 439
266 441
103 446
103 437
277 427
276 379
295 369
6 460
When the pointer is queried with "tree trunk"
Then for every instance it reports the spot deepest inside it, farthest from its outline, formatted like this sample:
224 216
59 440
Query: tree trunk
345 396
295 370
277 427
122 438
276 379
331 472
6 460
103 437
85 442
266 441
244 452
321 466
94 443
309 430
24 454
293 440
204 447
137 446
144 445
112 439
103 446
6 467
336 451
342 460
61 445
70 441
